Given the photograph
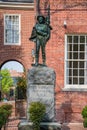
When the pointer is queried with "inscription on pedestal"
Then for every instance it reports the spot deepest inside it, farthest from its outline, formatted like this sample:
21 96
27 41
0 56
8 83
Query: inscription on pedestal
38 92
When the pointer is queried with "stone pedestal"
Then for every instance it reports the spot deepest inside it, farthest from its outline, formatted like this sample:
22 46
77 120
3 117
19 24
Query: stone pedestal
41 84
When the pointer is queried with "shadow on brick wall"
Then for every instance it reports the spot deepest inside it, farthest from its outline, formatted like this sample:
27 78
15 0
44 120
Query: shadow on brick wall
67 108
64 114
1 31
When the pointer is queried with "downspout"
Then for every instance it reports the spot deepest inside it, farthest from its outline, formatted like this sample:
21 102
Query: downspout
37 7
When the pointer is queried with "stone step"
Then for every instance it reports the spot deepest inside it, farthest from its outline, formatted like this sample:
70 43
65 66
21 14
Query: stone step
24 125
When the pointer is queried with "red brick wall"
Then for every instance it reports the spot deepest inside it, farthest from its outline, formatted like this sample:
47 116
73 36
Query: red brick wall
68 105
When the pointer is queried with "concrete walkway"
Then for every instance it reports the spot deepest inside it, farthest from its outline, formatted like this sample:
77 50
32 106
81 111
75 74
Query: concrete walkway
13 125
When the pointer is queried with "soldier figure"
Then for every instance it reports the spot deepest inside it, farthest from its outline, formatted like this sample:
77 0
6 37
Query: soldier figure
40 35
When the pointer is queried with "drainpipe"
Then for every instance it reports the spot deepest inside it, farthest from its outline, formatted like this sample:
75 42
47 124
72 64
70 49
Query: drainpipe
37 7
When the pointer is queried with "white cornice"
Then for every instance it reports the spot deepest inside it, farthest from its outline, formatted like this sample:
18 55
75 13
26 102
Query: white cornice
16 5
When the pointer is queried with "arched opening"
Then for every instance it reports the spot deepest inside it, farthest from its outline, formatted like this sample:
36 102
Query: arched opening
13 65
12 81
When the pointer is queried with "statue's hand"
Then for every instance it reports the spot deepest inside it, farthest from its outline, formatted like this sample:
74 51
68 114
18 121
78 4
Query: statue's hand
47 37
41 33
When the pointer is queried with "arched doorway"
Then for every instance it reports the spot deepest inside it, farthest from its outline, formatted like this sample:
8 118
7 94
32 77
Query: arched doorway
12 81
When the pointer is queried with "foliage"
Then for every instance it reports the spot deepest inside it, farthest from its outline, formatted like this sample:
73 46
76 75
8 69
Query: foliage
6 81
7 107
21 87
3 115
5 112
84 114
36 112
85 123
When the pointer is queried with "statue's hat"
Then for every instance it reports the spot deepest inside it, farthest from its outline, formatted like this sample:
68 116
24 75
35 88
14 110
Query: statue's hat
40 16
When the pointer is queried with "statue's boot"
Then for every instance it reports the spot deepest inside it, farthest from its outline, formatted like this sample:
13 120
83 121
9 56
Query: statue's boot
36 62
44 62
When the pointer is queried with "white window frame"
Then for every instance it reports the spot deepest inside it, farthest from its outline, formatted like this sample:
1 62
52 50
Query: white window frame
72 87
19 43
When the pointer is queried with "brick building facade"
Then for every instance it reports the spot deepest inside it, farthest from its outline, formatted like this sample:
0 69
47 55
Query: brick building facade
65 51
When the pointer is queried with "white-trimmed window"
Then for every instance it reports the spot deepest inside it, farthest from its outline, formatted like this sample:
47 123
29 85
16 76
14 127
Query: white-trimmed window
76 60
11 29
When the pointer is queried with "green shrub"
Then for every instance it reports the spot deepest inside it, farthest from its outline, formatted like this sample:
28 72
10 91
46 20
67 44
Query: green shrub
36 113
85 122
84 115
3 115
7 106
84 112
5 111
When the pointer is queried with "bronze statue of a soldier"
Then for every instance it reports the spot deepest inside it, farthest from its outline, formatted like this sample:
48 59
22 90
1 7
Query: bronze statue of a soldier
40 35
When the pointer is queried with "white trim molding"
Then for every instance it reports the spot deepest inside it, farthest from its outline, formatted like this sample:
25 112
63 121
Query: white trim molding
75 89
16 5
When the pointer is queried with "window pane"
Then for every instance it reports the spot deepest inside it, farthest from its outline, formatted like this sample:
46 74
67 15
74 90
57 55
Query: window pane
82 47
70 80
82 56
70 72
81 64
82 39
69 47
16 36
17 19
75 80
75 64
81 81
69 39
75 55
75 47
69 55
70 64
75 72
81 72
75 39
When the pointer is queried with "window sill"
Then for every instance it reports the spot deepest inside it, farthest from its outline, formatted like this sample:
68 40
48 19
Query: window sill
12 44
75 89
